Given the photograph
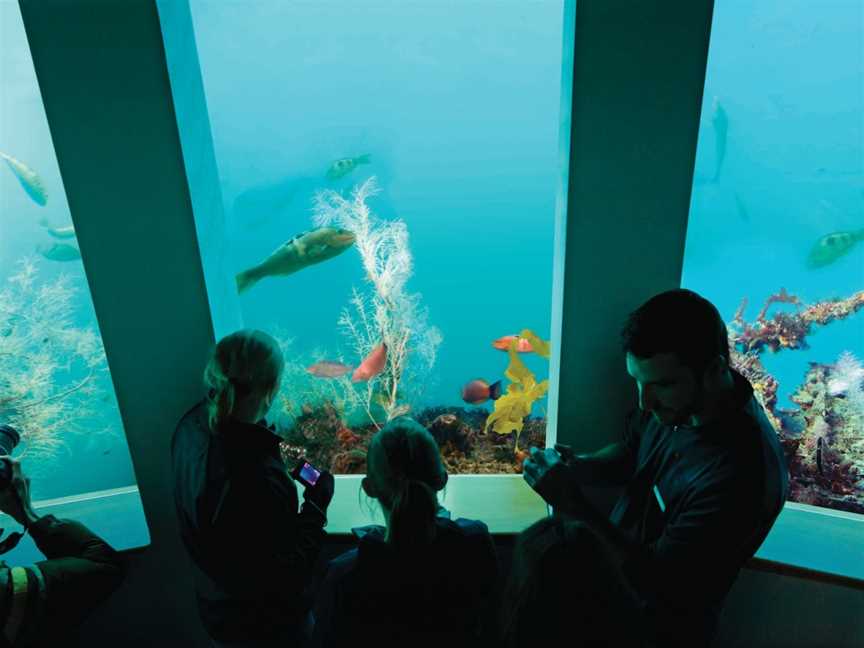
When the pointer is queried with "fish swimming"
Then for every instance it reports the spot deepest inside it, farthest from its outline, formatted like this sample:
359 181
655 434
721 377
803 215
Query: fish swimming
341 168
67 232
29 179
372 365
522 345
301 251
479 391
328 369
60 252
833 246
720 120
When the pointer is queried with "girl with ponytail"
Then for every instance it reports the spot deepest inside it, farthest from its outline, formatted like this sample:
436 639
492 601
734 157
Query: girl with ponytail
251 550
420 580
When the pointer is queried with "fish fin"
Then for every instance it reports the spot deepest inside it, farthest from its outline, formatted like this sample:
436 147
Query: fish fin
363 159
495 390
245 280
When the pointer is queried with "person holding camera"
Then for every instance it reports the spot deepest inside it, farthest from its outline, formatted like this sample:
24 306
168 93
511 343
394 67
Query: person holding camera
42 604
703 471
252 552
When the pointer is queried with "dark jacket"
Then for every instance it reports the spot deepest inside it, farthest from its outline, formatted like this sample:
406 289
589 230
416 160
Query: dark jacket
700 502
373 595
42 605
252 552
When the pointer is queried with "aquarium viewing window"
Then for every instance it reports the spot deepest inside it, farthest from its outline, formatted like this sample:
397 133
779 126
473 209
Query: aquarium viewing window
382 201
775 241
55 388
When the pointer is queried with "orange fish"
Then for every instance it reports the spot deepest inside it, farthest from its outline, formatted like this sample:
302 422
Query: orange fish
479 391
372 365
522 345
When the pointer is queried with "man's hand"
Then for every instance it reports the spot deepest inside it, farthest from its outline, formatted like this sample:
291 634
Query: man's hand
15 499
548 474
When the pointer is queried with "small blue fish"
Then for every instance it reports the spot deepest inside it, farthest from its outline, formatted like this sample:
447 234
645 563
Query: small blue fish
28 178
67 232
60 252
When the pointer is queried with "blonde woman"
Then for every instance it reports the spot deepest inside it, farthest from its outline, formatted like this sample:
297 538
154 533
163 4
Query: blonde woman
252 551
424 579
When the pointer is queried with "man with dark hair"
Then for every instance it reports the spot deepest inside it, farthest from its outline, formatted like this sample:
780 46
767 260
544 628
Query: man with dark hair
703 472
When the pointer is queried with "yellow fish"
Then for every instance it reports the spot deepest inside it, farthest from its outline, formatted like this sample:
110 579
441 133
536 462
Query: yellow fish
341 168
28 178
832 246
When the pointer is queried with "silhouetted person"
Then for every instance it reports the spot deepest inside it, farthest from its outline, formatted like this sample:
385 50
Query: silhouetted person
43 604
565 589
252 552
424 579
704 474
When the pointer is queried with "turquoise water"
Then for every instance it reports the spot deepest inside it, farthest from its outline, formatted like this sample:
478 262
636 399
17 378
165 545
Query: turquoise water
789 78
457 109
69 418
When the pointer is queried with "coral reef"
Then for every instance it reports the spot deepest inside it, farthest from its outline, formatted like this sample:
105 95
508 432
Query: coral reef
51 372
323 439
386 313
823 437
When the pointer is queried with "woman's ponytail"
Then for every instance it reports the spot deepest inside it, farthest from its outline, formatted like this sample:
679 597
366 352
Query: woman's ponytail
412 517
405 468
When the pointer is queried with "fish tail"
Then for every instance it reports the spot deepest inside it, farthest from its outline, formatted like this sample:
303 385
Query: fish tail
364 159
245 280
495 390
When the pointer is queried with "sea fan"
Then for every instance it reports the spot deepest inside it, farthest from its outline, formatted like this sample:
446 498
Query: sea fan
847 379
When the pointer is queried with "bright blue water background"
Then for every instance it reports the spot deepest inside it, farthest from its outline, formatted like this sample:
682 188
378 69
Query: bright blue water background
456 103
91 459
791 79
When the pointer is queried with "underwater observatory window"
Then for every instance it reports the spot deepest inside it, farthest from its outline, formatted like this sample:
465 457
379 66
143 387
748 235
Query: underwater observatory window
775 241
55 387
375 187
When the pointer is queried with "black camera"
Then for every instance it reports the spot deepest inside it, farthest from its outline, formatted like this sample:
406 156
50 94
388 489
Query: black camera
9 438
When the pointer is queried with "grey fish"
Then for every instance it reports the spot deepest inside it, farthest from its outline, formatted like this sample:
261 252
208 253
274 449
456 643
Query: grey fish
720 120
60 252
833 246
341 168
29 179
303 250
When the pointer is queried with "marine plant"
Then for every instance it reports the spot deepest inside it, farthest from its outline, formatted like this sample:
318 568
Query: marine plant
385 312
50 370
515 405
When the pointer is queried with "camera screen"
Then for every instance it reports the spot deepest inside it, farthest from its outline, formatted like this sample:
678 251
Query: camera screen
309 474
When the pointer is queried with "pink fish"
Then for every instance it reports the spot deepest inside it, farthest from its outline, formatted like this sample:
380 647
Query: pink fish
372 365
328 369
479 391
522 345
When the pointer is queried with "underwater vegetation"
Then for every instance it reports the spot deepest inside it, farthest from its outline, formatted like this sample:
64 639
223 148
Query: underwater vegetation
513 407
824 436
50 370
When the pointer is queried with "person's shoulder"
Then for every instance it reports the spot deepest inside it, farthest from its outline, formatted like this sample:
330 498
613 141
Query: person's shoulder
467 527
342 565
194 417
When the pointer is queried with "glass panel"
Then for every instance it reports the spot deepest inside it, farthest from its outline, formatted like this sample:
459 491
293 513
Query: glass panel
55 388
775 233
428 132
